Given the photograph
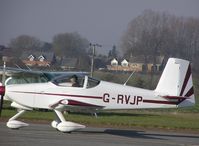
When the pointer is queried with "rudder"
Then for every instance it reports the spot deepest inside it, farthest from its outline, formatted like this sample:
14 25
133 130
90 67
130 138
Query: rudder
176 81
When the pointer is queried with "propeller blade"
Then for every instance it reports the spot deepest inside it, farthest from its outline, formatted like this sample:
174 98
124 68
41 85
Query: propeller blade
1 105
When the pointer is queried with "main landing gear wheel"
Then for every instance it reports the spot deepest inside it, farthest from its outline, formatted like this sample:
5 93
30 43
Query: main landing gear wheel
65 126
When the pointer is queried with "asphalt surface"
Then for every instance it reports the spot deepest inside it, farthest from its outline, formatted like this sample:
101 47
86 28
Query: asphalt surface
45 135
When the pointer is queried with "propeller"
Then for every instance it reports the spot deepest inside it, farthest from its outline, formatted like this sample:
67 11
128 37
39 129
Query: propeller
2 92
2 87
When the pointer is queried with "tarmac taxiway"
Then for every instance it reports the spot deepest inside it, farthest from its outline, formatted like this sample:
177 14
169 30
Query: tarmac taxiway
45 135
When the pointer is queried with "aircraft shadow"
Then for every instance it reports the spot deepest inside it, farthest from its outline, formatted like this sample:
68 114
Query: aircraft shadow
143 134
130 134
123 133
139 134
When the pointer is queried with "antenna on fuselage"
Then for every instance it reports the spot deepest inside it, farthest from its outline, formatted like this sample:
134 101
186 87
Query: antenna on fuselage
129 78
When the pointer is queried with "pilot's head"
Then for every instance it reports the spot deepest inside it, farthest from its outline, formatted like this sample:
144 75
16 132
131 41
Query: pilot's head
73 78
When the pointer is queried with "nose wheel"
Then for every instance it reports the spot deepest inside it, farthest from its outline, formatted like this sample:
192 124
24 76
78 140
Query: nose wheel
15 124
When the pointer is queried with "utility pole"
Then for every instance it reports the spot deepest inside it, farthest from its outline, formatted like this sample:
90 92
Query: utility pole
5 59
93 47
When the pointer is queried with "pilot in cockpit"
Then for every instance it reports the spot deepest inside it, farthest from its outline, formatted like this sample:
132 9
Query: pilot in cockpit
74 81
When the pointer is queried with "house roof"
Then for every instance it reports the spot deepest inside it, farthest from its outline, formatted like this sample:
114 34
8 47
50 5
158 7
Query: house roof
124 60
47 55
114 59
6 51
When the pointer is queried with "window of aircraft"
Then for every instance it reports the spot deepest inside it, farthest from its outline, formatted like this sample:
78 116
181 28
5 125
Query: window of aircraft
92 82
24 79
66 81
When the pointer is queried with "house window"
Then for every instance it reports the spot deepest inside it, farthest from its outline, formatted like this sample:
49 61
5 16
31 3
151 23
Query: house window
125 64
114 64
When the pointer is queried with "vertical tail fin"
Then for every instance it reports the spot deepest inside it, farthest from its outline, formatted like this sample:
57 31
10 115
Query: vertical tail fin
176 82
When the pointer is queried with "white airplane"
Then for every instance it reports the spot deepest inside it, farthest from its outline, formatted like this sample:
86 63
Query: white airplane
175 89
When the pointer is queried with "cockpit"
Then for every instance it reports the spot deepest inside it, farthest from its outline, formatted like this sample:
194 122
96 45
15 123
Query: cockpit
81 81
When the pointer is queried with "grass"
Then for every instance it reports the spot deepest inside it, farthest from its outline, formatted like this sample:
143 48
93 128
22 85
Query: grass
130 119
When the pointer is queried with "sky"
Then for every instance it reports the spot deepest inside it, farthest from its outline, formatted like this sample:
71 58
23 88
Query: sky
100 21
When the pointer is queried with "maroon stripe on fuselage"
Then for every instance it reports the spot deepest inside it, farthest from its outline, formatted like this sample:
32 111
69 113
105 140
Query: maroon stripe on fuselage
78 103
188 74
67 95
190 92
174 97
163 102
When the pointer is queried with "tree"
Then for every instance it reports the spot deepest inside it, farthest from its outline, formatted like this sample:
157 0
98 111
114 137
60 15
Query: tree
83 63
46 46
113 52
69 44
144 34
25 42
153 33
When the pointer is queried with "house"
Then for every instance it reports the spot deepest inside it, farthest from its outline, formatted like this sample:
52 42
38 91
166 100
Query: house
115 66
31 58
41 58
137 64
114 62
124 63
5 51
142 63
38 59
11 59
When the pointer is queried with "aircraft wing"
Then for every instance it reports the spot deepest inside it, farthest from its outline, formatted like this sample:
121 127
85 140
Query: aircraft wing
74 104
11 71
29 76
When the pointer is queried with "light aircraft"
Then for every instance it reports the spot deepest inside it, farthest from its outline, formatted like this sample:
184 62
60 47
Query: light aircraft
174 89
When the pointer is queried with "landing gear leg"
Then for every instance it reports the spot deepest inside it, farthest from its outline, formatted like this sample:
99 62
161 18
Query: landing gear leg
58 120
65 126
14 124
